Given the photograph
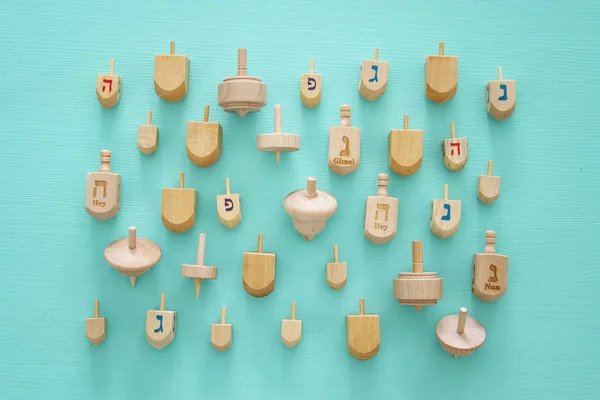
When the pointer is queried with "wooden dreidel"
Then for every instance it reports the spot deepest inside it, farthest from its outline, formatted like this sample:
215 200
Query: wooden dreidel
500 97
488 186
344 145
199 271
490 271
291 329
441 76
336 272
418 288
310 87
459 334
147 139
171 75
455 152
95 328
405 150
229 207
203 141
242 94
108 87
373 77
221 335
161 326
179 208
363 334
278 141
381 214
103 190
258 271
309 208
445 216
132 256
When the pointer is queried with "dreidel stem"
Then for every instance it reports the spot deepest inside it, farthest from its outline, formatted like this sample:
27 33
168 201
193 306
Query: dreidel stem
312 65
441 49
172 48
105 160
311 187
277 128
417 256
376 54
206 110
362 306
489 167
223 314
462 320
499 73
132 246
260 240
112 67
200 261
227 187
293 310
181 180
149 118
382 182
405 122
96 308
452 133
335 253
163 298
242 62
445 191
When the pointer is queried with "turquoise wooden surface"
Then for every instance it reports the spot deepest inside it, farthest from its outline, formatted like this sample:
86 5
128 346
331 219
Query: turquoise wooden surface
542 336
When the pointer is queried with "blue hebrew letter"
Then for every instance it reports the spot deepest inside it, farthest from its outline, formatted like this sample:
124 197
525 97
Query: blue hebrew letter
375 68
160 328
447 216
504 96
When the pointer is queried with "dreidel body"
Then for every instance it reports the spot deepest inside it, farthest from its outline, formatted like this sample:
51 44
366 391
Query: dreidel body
445 216
501 97
381 214
171 75
161 326
221 335
405 150
147 139
310 87
490 271
373 78
203 141
455 151
336 271
441 76
363 334
179 207
103 190
344 145
258 271
291 330
95 328
108 87
229 207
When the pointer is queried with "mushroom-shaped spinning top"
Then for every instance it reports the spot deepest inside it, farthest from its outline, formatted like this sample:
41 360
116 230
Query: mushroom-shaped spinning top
132 256
310 208
459 334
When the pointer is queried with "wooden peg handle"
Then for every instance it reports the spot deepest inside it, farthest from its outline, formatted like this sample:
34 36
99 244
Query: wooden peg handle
452 134
311 187
206 111
445 191
489 167
335 253
362 306
312 65
181 180
112 67
105 160
490 242
499 73
227 187
442 49
163 299
201 246
417 256
223 314
382 182
149 118
242 62
132 237
172 52
96 308
293 310
260 241
462 320
376 54
405 122
277 118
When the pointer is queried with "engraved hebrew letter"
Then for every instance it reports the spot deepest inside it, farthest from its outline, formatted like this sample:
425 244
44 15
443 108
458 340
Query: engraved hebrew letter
494 277
103 185
383 207
346 152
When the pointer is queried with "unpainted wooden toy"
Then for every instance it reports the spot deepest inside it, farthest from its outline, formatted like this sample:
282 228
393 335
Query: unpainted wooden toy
278 141
203 141
108 87
373 77
500 97
455 152
310 87
363 334
488 186
258 271
95 328
418 288
459 334
309 208
132 256
445 216
161 326
344 145
199 271
441 77
179 208
147 139
242 94
381 214
229 207
490 271
221 335
171 75
291 329
405 150
103 190
336 272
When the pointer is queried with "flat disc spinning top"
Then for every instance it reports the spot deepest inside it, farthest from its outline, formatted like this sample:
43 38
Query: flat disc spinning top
278 141
199 271
459 334
132 256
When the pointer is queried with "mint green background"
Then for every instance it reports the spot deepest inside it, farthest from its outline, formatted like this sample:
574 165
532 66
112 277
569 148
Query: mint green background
542 336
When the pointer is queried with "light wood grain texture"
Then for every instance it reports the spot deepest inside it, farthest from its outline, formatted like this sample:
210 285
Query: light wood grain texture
291 329
381 214
490 271
204 141
103 190
363 334
455 152
373 77
445 216
405 150
199 271
344 145
229 207
132 256
310 208
488 186
147 139
310 87
441 76
171 75
95 328
179 207
459 334
278 141
258 271
501 97
161 326
242 94
418 288
108 87
221 335
336 272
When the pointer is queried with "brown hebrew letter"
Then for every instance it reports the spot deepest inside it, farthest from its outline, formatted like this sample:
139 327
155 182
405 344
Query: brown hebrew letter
493 278
346 152
383 207
101 184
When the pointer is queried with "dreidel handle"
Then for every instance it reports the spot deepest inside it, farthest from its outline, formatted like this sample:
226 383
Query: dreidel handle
293 310
181 180
445 191
489 172
172 48
312 65
163 299
452 133
441 49
362 306
223 314
242 66
132 237
149 118
462 321
206 111
112 67
227 187
405 122
499 73
260 241
417 256
96 308
335 253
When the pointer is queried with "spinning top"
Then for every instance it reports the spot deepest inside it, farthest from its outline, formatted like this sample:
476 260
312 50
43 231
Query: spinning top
459 334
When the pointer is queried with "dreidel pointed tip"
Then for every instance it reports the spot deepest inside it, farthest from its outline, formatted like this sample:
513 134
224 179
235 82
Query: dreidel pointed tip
132 281
418 308
242 113
198 283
